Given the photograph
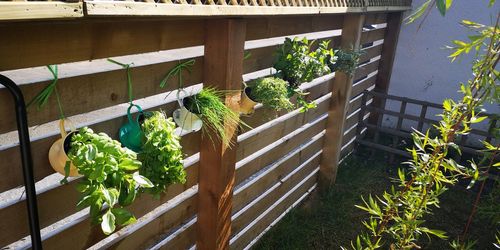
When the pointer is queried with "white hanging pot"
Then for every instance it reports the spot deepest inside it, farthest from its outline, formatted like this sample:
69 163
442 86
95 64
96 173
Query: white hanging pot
185 119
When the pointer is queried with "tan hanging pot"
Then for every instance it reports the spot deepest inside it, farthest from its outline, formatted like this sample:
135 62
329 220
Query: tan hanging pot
247 105
58 152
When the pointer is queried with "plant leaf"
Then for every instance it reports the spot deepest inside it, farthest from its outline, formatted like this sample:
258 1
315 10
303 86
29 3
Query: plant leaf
142 181
108 222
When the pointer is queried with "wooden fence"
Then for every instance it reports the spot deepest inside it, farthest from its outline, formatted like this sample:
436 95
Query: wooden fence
232 196
422 122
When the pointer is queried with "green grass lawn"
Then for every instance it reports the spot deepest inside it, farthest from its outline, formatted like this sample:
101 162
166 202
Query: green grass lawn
329 220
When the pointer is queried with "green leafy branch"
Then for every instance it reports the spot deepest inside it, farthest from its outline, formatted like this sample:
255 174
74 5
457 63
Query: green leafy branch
396 218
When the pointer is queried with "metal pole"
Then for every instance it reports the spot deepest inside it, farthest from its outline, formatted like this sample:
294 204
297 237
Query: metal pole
24 141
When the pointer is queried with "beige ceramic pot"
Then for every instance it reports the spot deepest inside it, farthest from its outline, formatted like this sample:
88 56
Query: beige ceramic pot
58 155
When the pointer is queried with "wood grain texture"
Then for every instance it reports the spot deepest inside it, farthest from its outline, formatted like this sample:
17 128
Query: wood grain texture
85 93
372 35
280 205
58 203
270 178
277 152
71 41
351 36
265 27
40 10
224 47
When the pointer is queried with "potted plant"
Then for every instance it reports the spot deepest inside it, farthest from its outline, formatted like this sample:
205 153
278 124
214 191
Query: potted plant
272 92
296 64
58 154
161 153
111 177
215 115
346 61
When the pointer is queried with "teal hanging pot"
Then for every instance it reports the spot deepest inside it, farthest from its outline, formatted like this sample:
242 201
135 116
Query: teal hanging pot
131 135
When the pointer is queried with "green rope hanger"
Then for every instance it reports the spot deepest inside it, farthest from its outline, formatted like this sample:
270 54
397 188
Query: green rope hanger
43 97
177 71
129 78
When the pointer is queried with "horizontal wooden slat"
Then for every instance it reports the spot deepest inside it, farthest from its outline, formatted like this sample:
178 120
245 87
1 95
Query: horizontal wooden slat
406 99
372 35
370 52
259 28
353 105
253 165
403 134
277 208
349 134
397 114
275 172
86 93
39 10
260 58
375 18
278 130
279 181
227 8
384 148
184 240
56 204
71 41
40 148
363 85
365 69
149 232
353 120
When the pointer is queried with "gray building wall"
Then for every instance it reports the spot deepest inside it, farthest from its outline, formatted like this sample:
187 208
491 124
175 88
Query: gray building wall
422 69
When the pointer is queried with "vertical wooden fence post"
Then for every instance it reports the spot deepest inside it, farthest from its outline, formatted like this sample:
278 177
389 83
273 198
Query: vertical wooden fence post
223 68
394 21
341 93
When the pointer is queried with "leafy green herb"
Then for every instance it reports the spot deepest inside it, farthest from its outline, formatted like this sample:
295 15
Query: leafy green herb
272 92
215 115
161 155
346 61
297 64
110 177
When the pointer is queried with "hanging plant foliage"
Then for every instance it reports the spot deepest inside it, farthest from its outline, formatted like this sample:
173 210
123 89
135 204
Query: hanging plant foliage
216 116
272 92
161 153
111 178
346 61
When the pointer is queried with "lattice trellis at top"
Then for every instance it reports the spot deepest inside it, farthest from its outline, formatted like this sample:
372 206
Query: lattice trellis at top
69 9
283 3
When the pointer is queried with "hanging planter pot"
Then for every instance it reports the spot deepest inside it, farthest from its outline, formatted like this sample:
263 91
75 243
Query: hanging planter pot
58 153
131 134
247 104
184 118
